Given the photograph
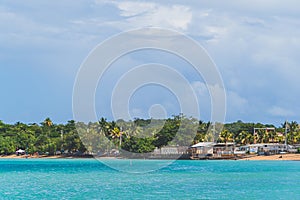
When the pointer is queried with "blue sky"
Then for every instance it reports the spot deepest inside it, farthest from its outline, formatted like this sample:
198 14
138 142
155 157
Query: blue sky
254 44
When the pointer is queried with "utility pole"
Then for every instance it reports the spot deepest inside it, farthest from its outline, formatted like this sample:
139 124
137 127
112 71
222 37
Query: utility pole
120 142
62 140
214 132
285 133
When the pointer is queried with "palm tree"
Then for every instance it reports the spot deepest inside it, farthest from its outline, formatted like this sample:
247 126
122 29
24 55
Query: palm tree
104 126
260 136
273 136
265 136
294 127
297 136
48 122
111 130
225 136
245 137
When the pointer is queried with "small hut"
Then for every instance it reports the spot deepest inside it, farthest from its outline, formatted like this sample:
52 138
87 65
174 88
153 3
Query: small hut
20 152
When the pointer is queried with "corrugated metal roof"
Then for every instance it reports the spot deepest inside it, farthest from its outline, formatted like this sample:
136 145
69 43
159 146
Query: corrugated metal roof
203 144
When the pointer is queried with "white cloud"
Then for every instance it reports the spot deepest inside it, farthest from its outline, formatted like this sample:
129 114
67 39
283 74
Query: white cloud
145 14
130 9
200 88
254 21
254 43
280 112
137 113
236 105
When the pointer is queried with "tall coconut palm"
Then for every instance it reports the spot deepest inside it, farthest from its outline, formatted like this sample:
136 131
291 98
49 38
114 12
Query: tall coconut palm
273 136
48 122
294 127
226 136
111 130
245 137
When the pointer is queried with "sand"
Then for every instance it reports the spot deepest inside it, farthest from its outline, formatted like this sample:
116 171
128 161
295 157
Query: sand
50 157
294 157
27 156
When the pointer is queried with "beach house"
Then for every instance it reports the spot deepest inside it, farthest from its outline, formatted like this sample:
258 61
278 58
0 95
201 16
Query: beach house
202 150
223 150
212 150
266 148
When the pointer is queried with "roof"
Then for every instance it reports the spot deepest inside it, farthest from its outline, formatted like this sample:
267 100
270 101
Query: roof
203 144
225 144
264 144
20 151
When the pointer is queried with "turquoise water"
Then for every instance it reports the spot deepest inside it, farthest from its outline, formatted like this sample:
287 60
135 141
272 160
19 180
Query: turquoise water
90 179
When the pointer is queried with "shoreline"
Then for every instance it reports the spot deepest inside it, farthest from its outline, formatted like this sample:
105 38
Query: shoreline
53 157
279 157
287 157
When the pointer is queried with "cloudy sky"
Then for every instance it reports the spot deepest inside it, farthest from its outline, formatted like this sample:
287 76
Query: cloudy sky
255 45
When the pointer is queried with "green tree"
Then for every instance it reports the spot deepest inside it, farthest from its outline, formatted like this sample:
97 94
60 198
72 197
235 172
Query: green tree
225 136
244 138
7 145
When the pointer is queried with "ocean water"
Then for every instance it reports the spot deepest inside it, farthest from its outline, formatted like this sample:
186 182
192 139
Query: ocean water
91 179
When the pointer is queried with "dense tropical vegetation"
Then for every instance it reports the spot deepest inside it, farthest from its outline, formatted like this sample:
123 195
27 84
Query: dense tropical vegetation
138 136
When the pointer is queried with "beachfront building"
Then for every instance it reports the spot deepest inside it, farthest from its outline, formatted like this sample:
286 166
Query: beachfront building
211 150
206 150
20 152
241 150
170 152
223 150
202 150
266 148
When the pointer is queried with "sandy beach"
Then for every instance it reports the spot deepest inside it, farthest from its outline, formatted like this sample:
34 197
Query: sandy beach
27 156
50 157
293 157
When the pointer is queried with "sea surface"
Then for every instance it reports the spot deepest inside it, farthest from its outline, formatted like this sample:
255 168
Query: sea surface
91 179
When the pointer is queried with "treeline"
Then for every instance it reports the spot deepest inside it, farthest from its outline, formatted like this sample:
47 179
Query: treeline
138 136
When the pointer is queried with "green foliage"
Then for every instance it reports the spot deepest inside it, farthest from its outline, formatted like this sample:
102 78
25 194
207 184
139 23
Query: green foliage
7 145
167 133
138 136
138 145
225 136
